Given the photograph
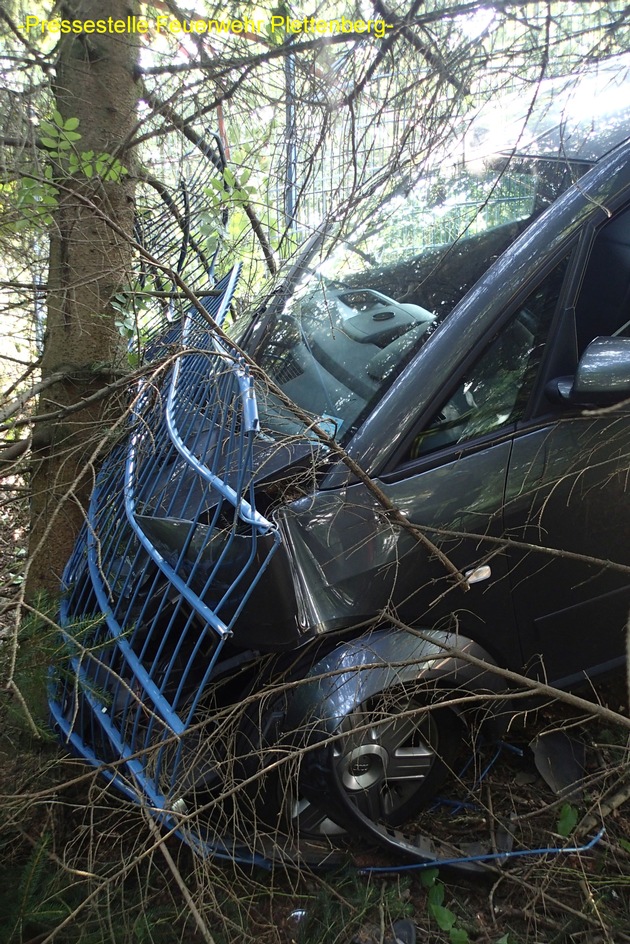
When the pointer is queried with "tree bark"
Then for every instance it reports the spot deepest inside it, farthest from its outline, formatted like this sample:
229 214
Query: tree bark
89 262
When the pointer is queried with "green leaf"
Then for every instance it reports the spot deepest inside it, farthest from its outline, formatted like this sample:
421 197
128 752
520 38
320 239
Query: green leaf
444 917
115 171
458 936
50 142
57 118
72 135
71 124
87 169
625 845
567 820
436 895
503 940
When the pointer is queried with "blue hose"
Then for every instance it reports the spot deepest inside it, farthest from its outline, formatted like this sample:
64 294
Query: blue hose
488 857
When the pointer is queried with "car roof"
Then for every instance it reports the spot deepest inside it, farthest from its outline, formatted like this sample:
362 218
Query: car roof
579 117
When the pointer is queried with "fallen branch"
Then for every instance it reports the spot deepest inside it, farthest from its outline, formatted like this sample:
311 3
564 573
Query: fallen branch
18 403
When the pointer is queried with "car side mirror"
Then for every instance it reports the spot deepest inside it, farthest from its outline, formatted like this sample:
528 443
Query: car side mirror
602 376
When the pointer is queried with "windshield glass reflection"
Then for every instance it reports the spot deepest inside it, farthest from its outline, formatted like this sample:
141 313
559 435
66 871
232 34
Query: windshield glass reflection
337 344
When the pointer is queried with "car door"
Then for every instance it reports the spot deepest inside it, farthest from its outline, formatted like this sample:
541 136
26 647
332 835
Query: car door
453 476
567 508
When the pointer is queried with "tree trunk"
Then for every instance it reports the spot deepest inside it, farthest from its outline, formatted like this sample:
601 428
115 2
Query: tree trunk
89 262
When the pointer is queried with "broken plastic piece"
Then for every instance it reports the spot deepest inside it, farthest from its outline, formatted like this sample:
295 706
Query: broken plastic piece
560 761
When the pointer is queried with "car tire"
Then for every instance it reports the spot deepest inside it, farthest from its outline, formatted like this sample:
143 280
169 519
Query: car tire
387 759
382 764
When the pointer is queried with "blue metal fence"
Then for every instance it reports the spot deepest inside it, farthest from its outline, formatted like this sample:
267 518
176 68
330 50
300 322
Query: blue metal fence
170 552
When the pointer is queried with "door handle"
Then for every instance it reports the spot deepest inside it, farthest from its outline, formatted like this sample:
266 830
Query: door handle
478 574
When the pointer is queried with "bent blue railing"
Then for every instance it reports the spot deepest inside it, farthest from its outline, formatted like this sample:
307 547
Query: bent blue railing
171 550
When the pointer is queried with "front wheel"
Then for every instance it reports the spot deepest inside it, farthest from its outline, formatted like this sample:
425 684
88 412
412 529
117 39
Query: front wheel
387 759
372 772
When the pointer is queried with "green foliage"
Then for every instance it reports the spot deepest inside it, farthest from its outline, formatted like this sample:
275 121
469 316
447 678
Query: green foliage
35 905
229 191
36 196
59 136
136 309
567 820
101 165
458 936
445 919
60 139
35 199
37 895
43 656
41 631
37 646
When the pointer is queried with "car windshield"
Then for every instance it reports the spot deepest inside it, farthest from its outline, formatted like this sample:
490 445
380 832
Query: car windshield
354 321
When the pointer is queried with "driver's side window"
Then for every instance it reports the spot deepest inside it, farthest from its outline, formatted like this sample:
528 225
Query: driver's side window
495 391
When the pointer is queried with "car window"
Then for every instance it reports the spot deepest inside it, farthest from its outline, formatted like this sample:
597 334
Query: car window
494 392
363 306
603 306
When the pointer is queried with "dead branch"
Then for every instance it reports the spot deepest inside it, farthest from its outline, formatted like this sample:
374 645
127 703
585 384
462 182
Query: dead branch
19 402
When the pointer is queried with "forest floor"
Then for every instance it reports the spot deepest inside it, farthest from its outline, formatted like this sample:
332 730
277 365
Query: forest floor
81 865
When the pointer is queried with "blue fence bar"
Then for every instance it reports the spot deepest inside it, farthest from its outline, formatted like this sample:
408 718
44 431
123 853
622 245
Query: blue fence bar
171 550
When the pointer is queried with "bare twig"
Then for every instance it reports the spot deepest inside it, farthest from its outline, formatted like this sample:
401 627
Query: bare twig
181 884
